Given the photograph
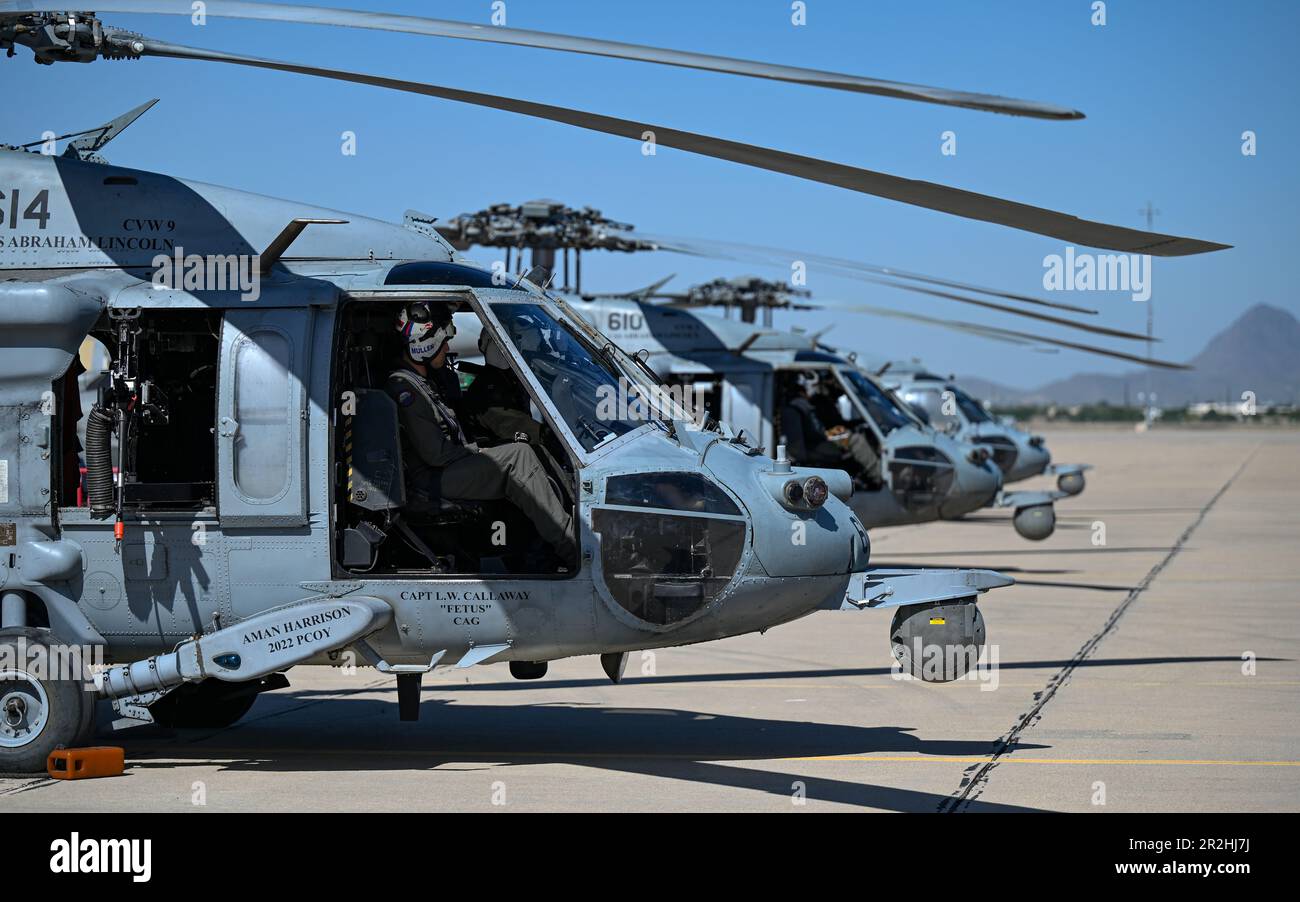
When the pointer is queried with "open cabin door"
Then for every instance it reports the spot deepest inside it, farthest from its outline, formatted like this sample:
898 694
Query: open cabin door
262 417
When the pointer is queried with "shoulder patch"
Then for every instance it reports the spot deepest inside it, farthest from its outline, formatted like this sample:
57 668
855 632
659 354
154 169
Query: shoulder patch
405 398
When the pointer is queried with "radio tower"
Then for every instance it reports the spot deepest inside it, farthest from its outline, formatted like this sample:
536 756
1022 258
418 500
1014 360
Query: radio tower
1150 213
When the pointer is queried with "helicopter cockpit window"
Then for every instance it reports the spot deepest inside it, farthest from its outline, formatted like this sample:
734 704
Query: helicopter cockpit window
921 477
670 543
973 409
887 413
595 398
671 491
941 412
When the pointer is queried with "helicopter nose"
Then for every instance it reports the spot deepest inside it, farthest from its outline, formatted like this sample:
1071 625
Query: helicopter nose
800 563
804 539
1032 458
975 485
829 540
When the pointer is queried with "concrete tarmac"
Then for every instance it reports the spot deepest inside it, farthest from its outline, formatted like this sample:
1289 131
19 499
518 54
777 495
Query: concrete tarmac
1148 659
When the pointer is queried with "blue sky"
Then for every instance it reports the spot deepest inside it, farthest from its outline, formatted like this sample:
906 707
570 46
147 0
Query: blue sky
1168 88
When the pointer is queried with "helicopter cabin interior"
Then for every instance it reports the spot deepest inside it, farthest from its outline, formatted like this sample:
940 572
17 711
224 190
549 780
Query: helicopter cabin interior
381 526
162 372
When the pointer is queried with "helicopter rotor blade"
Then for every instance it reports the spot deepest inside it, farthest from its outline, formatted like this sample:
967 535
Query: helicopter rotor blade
969 330
347 18
697 304
1036 347
836 266
991 331
930 195
690 300
989 305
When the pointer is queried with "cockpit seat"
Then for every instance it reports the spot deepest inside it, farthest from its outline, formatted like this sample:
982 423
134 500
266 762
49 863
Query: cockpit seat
372 450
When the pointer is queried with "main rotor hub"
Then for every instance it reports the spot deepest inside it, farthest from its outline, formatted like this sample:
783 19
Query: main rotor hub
541 225
749 293
69 37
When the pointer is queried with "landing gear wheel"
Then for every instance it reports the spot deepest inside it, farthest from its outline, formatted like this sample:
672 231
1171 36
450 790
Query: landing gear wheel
86 733
1070 483
938 642
38 714
211 704
1035 522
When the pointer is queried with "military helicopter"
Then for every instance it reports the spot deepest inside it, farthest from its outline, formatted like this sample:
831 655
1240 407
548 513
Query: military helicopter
941 401
257 517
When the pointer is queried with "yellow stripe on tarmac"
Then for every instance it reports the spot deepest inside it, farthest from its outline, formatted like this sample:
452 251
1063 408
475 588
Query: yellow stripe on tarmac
1015 759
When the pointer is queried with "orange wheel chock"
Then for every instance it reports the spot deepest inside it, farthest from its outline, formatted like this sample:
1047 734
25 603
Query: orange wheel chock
83 764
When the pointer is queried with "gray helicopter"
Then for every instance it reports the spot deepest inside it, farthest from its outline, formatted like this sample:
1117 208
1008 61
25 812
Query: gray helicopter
742 374
934 448
941 401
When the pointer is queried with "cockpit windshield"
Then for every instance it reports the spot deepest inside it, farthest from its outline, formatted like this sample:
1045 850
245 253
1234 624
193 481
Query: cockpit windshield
664 402
597 400
973 410
887 413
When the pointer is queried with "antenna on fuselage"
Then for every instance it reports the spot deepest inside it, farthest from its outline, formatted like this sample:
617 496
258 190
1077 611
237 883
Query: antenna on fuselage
91 140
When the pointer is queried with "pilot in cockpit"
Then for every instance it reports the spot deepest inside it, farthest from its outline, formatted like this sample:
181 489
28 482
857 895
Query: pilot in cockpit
496 398
811 443
440 461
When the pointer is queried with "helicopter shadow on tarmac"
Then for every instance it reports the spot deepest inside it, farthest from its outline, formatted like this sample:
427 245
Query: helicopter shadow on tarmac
321 730
359 735
324 730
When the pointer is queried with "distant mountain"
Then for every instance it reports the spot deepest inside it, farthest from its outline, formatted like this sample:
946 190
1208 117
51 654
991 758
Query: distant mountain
1260 352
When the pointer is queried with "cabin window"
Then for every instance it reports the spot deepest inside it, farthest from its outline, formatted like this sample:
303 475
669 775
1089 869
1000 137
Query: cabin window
262 417
261 408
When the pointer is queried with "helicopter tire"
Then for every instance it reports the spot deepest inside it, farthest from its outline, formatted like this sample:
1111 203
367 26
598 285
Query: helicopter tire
211 704
1070 483
86 732
1035 522
938 642
38 714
